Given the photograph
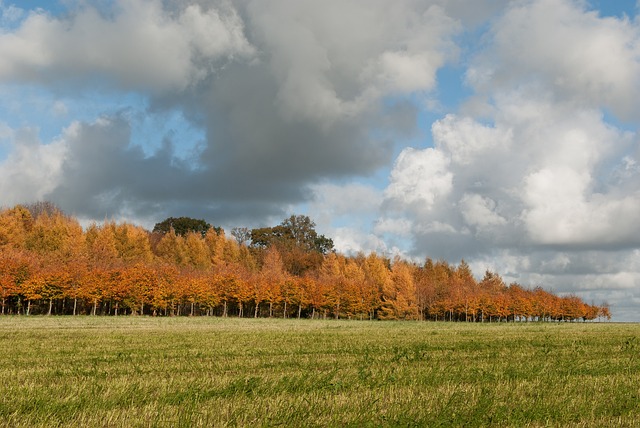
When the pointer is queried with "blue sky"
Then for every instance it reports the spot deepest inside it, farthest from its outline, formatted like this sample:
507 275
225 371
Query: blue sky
501 132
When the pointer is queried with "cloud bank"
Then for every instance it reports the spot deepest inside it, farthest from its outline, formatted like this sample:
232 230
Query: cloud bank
336 108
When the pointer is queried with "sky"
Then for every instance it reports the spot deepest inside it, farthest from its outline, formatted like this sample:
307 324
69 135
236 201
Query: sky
504 133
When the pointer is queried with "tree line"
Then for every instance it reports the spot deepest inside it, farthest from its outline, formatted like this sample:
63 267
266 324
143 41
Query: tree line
49 264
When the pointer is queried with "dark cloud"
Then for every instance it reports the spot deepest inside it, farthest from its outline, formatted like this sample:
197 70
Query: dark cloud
287 94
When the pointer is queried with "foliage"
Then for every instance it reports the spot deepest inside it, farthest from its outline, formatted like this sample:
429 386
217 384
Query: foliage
295 231
184 225
50 265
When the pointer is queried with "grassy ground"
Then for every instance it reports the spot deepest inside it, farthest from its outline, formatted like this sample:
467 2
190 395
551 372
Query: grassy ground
147 372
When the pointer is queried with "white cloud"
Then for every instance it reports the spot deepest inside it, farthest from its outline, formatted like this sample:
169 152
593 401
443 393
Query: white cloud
31 169
142 47
420 178
395 226
466 140
10 15
479 211
580 55
348 199
348 240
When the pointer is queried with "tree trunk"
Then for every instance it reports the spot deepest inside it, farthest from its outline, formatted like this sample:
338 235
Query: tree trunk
50 306
75 305
116 313
3 300
224 311
192 308
28 306
299 310
255 315
313 312
270 309
95 307
284 314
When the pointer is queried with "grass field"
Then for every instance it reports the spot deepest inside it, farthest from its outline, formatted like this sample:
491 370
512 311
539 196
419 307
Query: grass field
134 371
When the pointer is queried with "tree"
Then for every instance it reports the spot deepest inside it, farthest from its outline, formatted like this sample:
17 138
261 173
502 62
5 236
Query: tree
272 278
297 241
173 249
43 207
399 295
184 225
295 231
242 235
15 269
377 278
15 223
57 235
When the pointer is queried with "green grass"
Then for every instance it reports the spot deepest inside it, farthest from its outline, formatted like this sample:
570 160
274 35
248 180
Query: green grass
166 372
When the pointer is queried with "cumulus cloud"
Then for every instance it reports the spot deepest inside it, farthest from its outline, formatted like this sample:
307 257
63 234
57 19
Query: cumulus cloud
142 47
287 94
31 170
536 175
544 179
420 178
582 56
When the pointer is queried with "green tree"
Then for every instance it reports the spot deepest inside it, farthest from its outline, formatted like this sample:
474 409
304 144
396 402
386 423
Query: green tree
296 239
184 225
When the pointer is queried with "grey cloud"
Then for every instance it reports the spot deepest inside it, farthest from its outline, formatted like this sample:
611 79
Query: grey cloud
287 93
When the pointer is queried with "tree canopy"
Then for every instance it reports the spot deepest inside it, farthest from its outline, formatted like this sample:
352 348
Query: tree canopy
51 265
183 225
296 231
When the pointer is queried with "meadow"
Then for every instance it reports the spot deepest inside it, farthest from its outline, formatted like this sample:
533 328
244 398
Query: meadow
204 371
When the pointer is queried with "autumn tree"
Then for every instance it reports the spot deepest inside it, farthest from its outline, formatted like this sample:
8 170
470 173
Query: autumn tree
15 224
331 277
271 280
172 248
15 268
377 277
297 241
398 297
57 235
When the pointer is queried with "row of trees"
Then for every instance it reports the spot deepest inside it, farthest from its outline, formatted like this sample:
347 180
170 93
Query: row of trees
49 264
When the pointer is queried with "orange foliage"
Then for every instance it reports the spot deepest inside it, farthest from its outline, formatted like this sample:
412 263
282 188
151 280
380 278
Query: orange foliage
48 264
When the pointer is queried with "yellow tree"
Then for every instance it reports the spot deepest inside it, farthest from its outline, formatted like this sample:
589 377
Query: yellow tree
137 282
31 289
15 224
331 276
56 236
15 267
172 249
197 251
271 279
165 294
355 295
464 291
399 297
294 293
132 243
209 291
